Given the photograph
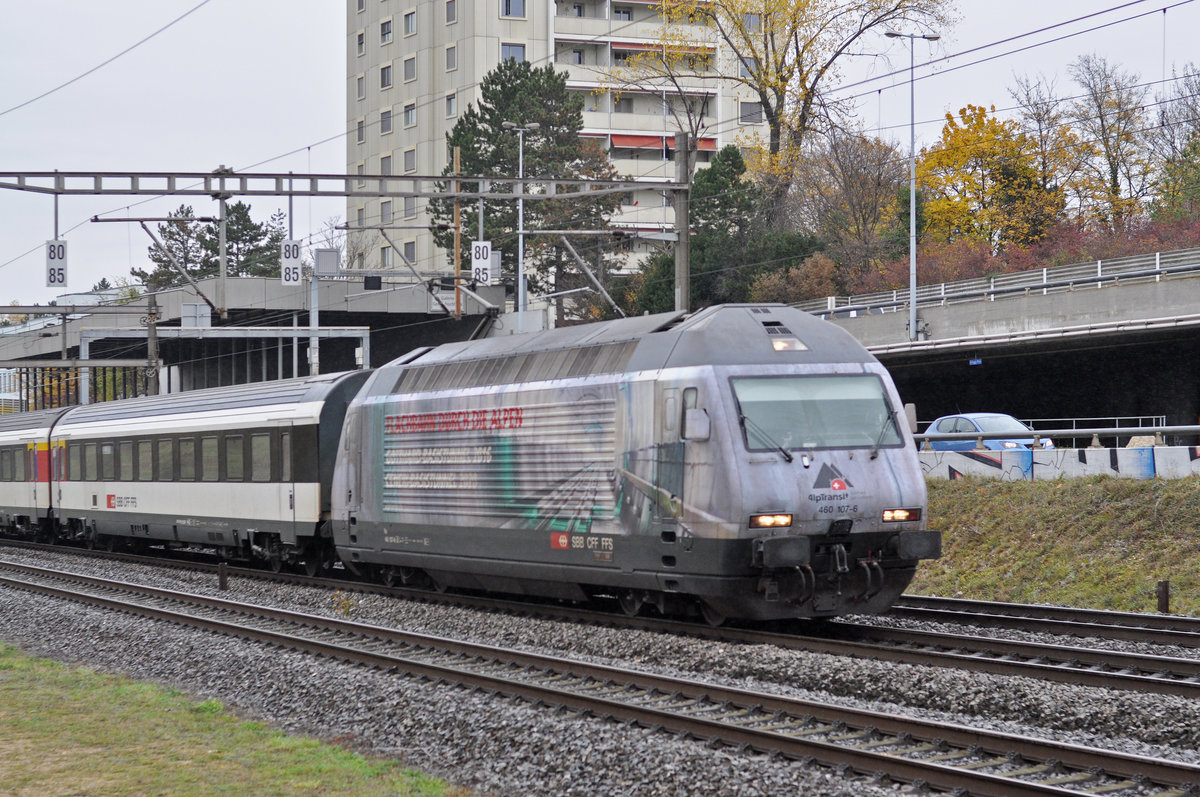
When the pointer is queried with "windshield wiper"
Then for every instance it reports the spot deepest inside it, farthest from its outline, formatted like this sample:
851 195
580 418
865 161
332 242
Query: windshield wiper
888 420
764 436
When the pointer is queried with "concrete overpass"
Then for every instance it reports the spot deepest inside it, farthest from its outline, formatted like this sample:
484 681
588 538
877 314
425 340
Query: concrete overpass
1113 338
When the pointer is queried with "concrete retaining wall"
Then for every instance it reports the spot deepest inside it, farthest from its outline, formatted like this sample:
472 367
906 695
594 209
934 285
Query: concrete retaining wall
1166 462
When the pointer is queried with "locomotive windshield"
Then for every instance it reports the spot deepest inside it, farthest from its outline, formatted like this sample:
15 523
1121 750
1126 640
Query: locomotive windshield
804 412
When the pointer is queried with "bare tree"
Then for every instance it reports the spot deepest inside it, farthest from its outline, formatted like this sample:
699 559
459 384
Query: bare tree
1060 156
1111 113
1178 119
845 189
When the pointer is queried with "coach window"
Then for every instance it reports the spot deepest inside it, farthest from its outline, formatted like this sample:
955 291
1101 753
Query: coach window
125 460
19 466
235 451
260 457
145 457
166 460
187 459
210 463
108 462
285 456
75 462
91 465
6 473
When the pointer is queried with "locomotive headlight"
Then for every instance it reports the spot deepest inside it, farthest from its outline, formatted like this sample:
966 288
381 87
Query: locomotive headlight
788 344
770 521
900 515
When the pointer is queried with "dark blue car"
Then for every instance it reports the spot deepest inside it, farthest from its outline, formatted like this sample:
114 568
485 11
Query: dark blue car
976 422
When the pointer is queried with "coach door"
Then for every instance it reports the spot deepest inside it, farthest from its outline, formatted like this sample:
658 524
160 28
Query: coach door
668 466
289 498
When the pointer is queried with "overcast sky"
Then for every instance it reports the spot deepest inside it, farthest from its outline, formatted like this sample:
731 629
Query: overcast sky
259 85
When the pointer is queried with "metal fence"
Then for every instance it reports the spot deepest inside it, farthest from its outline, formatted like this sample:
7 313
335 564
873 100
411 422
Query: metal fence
1097 274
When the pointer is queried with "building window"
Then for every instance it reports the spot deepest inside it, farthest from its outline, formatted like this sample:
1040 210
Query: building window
748 66
623 13
362 170
577 10
451 11
410 251
621 57
385 77
623 105
362 131
385 256
385 121
512 8
385 212
451 58
410 69
512 52
385 31
577 56
410 207
451 105
362 4
360 84
750 112
752 21
410 114
410 160
385 165
361 217
410 23
362 43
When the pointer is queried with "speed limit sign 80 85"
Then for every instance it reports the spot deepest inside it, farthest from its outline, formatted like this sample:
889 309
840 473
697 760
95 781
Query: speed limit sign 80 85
56 264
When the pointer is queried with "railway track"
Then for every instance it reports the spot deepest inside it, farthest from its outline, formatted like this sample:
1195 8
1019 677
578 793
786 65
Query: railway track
944 757
1068 663
1128 626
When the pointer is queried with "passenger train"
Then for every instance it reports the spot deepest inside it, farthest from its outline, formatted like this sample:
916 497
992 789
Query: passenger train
742 462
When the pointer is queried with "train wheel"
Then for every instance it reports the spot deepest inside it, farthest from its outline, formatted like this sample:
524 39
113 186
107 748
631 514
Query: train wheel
711 616
630 603
389 577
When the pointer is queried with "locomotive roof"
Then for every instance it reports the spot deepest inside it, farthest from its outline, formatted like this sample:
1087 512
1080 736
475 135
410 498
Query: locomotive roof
725 334
213 400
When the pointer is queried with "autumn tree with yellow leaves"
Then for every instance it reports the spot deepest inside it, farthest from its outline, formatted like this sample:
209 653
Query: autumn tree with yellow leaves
782 54
982 183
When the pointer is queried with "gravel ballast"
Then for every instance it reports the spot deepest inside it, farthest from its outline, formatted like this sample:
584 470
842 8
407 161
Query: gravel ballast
500 746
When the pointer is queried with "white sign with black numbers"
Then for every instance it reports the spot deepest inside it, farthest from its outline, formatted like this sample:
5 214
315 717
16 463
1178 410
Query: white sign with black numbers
289 263
56 264
481 261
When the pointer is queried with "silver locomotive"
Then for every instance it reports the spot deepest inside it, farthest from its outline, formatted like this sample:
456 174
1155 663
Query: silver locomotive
747 461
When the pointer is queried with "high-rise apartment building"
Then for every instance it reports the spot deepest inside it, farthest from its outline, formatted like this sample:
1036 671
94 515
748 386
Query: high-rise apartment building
415 65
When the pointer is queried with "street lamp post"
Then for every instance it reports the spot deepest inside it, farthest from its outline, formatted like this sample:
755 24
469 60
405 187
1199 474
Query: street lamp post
912 175
522 300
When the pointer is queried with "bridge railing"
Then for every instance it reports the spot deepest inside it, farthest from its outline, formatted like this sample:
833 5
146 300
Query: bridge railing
1138 268
1160 435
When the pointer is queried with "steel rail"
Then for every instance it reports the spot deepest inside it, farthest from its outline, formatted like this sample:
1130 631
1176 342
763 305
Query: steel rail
1162 629
1090 667
867 742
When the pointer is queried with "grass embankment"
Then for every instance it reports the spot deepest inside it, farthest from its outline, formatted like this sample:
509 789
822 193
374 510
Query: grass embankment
68 730
1099 543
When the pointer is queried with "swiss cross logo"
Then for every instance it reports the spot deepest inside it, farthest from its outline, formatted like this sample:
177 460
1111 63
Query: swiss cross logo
560 540
830 478
112 501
